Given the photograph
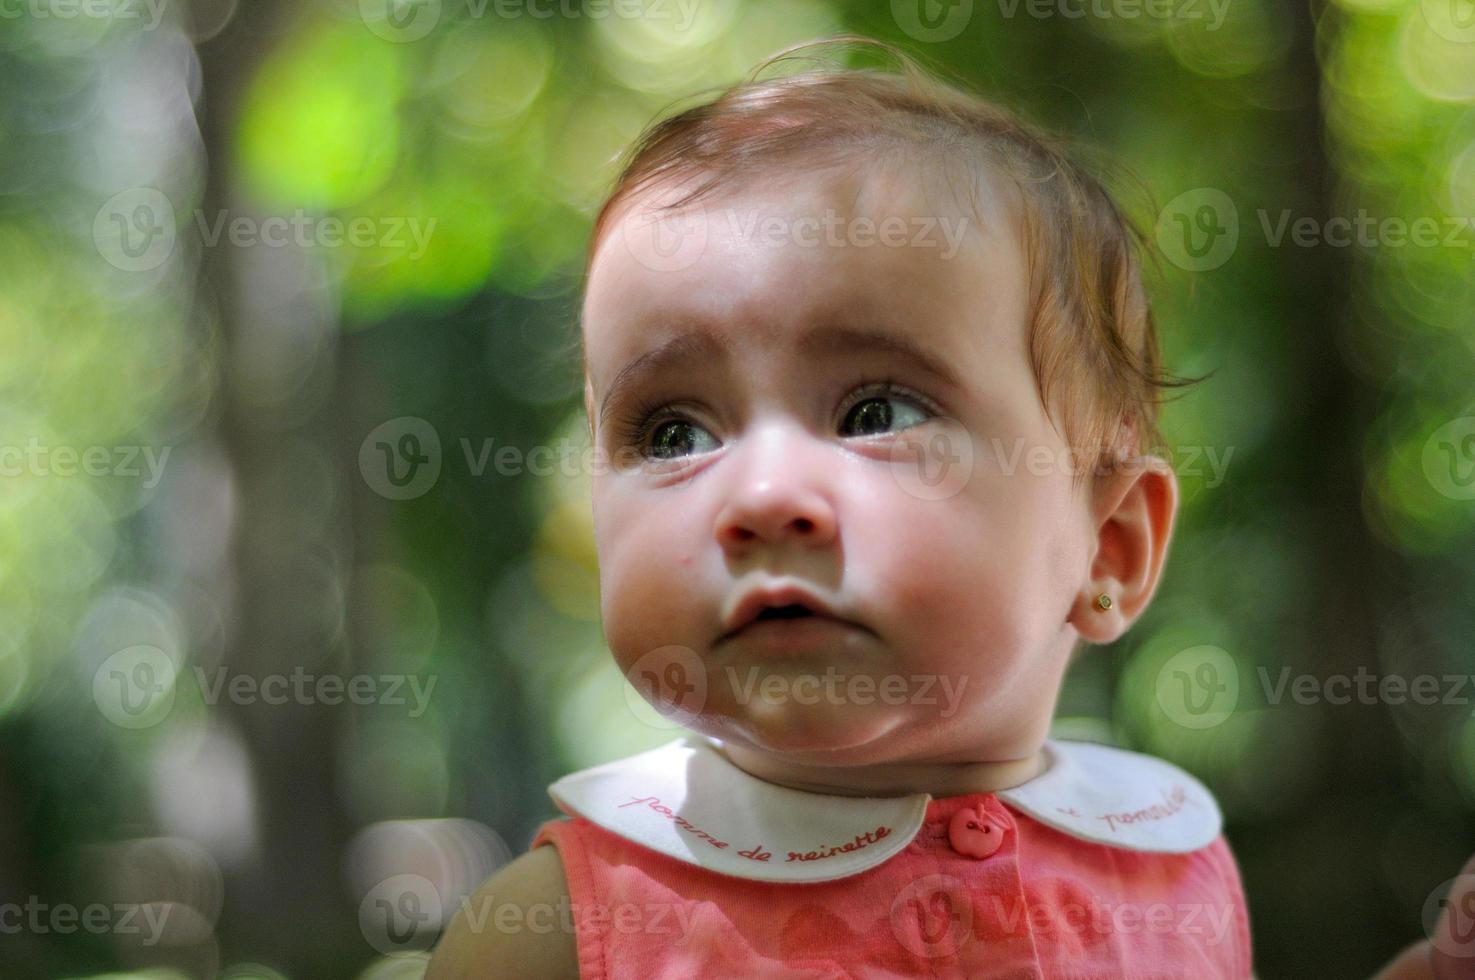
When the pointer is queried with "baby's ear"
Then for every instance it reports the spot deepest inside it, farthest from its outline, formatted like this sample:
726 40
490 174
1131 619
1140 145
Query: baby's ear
1132 512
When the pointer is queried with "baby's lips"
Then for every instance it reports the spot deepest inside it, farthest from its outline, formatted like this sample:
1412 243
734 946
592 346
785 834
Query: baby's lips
776 595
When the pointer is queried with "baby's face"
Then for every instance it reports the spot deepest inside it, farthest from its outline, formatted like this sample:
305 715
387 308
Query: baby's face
781 379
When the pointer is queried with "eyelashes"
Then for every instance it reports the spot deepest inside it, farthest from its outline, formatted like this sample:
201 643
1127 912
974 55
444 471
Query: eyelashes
647 415
642 420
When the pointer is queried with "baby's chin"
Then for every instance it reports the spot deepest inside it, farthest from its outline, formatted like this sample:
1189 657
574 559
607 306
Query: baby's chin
819 733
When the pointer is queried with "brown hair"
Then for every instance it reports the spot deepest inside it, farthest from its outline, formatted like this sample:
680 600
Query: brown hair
1089 315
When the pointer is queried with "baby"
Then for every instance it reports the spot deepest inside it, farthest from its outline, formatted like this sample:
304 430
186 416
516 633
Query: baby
873 370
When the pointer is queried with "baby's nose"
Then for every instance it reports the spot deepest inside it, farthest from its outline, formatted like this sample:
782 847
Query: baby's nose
779 490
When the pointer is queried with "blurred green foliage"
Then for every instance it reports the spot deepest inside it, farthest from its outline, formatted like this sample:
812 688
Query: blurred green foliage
1338 534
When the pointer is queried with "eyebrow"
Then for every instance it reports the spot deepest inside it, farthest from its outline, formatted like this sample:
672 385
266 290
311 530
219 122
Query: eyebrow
830 339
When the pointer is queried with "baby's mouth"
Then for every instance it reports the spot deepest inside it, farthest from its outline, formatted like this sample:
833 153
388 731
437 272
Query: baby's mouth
790 627
791 611
785 613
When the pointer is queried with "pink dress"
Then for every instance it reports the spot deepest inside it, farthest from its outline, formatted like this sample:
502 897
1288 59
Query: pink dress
1109 864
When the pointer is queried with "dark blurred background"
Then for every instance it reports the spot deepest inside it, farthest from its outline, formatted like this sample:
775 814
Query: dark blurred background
297 580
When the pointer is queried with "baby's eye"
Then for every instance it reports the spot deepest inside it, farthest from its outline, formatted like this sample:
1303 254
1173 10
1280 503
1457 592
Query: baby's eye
882 413
679 437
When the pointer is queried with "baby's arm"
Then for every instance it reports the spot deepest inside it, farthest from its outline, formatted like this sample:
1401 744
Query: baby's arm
1427 960
474 947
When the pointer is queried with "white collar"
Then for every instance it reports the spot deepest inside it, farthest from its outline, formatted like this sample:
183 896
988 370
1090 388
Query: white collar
715 814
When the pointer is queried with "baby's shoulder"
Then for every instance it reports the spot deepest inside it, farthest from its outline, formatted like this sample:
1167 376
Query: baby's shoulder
480 943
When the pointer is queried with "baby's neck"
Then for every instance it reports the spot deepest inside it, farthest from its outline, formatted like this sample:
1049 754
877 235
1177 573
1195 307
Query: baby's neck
888 779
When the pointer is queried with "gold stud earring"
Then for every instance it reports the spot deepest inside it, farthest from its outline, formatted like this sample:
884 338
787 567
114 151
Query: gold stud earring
1104 601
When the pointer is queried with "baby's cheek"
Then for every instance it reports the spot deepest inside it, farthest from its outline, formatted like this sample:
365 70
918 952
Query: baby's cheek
645 596
965 588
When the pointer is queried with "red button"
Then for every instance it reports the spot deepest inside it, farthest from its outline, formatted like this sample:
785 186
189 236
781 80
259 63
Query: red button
973 832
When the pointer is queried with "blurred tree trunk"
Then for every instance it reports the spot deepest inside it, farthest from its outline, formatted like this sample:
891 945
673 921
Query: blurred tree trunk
1355 577
290 907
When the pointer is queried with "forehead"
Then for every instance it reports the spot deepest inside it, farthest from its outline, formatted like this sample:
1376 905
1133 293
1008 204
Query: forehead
761 265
